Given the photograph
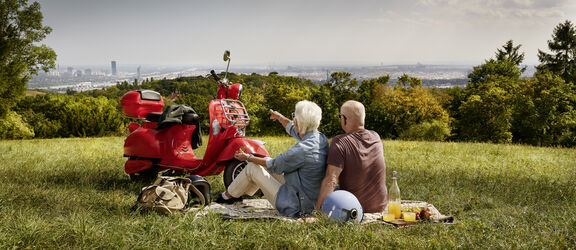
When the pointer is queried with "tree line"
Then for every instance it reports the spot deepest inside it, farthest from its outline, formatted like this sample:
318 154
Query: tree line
497 105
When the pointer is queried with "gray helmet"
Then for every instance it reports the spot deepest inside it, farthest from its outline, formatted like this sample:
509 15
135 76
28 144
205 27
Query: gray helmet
199 190
342 206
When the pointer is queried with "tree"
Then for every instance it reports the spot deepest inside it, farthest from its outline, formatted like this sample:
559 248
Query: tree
562 60
506 64
395 109
483 111
325 98
486 116
20 57
509 52
544 112
343 81
491 69
366 89
406 80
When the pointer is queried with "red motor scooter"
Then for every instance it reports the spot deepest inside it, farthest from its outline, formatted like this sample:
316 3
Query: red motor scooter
166 140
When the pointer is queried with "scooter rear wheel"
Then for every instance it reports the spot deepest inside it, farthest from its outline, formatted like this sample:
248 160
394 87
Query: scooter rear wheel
233 168
145 176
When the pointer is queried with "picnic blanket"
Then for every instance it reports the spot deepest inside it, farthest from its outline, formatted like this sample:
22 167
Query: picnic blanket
251 209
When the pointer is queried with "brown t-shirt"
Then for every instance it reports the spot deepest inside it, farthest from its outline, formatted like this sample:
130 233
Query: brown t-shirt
361 157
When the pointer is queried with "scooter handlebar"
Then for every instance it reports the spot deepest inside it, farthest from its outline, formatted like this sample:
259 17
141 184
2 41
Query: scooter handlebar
215 76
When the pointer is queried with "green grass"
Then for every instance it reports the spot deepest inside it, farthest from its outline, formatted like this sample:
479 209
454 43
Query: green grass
73 193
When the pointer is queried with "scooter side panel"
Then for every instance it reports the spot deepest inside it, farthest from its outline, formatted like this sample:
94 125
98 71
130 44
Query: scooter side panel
142 143
175 143
247 145
212 162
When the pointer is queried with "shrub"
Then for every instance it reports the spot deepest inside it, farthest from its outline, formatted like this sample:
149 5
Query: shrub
435 130
72 116
14 127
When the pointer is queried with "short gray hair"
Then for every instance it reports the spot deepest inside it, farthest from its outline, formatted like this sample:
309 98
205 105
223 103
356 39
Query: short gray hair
355 112
308 115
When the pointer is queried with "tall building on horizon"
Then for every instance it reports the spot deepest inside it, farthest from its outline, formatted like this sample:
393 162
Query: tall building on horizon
114 72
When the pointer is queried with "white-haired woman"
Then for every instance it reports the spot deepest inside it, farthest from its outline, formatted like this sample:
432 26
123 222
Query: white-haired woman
291 181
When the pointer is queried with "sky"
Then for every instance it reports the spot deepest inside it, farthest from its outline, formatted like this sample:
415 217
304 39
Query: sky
271 32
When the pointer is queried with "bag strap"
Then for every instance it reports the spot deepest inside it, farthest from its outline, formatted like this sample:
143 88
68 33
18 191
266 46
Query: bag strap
160 196
199 194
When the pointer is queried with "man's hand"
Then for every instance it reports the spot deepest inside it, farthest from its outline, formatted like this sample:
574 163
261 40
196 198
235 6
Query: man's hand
328 184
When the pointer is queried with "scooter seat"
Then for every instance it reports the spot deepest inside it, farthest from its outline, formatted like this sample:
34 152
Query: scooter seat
154 116
190 118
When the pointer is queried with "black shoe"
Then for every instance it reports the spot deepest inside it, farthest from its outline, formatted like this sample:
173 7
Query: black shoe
220 199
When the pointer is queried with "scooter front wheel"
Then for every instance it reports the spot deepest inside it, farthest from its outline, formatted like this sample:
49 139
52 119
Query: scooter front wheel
233 169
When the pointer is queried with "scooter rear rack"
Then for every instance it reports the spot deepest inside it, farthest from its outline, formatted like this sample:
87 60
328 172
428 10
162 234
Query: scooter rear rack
235 112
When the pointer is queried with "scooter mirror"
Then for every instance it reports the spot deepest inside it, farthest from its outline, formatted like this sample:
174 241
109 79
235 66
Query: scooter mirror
226 58
226 55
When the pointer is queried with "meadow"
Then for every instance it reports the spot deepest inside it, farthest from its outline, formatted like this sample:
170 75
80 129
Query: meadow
73 193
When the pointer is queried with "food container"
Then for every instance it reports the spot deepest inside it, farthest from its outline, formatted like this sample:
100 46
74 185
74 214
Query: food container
409 216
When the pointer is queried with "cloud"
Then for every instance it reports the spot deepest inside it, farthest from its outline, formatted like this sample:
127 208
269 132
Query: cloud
528 13
413 17
439 3
501 9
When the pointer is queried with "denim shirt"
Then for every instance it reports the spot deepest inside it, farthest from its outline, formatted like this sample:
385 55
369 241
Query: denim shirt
303 166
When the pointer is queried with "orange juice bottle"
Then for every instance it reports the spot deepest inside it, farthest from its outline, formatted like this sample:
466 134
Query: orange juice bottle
394 198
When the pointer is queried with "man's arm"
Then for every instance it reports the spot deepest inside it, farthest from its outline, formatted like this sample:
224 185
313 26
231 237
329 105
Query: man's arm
328 184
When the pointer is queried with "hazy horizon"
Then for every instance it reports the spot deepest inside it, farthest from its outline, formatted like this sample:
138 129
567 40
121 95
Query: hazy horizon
263 33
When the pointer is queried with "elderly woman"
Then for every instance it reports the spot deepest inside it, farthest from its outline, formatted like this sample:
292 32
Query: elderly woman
291 181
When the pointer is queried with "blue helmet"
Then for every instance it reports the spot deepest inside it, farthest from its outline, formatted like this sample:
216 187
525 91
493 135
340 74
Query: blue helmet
342 206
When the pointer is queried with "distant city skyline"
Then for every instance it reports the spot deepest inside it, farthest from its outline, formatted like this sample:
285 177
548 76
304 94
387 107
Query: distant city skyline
259 32
114 70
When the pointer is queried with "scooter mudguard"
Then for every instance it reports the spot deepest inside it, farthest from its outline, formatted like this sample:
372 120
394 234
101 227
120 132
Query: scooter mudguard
135 166
247 145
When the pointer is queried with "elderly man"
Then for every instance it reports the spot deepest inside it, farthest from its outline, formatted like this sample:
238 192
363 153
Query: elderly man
291 181
356 162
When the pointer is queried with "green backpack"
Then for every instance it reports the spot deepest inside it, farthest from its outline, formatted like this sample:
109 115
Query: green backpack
169 195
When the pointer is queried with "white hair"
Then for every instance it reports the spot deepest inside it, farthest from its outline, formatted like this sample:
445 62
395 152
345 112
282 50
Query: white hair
308 115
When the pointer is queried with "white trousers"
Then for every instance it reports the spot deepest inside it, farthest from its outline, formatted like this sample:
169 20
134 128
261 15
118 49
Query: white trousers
254 177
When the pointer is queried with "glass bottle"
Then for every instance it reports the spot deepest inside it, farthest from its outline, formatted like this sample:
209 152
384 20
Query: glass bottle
394 206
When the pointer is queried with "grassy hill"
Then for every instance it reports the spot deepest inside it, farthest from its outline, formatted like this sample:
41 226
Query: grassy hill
73 193
33 92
